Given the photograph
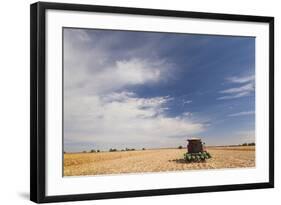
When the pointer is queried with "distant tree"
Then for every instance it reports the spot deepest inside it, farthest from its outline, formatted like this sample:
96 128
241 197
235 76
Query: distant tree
84 151
251 144
180 147
92 151
112 150
143 148
244 144
98 150
128 149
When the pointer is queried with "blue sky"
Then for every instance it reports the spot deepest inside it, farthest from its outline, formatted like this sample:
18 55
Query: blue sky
147 89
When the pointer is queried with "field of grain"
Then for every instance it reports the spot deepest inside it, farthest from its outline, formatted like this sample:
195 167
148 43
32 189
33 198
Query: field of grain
156 160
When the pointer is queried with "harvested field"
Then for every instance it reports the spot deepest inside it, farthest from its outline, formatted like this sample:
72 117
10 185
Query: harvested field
156 160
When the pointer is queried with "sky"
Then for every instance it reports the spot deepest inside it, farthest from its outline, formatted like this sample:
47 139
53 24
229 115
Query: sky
128 89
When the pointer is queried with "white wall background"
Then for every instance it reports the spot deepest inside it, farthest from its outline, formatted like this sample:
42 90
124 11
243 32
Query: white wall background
14 103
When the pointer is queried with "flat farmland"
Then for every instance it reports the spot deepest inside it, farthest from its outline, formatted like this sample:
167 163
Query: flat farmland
154 160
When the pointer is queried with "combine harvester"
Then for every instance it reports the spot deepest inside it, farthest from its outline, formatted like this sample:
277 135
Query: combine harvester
196 151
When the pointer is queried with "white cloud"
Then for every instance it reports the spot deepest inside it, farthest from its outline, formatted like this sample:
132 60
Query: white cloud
241 79
238 95
187 114
242 89
247 87
96 69
126 119
99 106
186 102
242 113
137 71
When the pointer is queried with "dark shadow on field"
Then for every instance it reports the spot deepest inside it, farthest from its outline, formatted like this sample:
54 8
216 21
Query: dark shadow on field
181 161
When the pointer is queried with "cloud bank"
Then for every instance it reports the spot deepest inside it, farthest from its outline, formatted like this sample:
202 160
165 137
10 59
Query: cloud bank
101 106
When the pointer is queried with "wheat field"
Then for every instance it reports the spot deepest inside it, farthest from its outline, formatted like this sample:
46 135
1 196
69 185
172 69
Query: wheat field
154 160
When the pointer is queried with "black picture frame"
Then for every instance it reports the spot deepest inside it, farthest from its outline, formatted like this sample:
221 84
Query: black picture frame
38 101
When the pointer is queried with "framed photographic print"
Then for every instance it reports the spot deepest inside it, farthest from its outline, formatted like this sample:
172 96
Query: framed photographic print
129 102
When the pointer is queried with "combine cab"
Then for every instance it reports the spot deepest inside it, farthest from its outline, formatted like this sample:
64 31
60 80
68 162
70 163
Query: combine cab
195 145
